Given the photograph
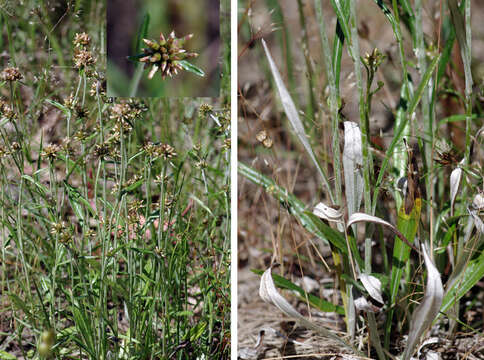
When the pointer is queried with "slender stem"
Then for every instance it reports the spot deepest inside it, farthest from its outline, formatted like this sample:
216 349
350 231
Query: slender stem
334 99
468 77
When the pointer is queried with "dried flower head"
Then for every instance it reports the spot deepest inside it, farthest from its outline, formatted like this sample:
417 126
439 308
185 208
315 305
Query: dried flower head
6 110
124 112
227 143
263 138
11 74
98 86
205 109
102 150
166 54
166 151
83 59
50 151
81 39
16 146
70 101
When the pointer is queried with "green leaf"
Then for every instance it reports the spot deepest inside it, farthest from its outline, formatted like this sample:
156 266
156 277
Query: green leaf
76 200
333 236
292 204
135 58
61 107
473 272
197 331
397 137
42 188
191 68
6 356
142 32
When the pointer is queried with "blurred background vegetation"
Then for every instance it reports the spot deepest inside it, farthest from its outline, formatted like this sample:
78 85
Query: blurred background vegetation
198 17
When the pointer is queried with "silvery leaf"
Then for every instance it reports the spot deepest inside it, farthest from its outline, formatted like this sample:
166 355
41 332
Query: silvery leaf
352 163
362 217
477 220
292 115
269 294
478 202
327 213
373 286
455 178
428 309
361 304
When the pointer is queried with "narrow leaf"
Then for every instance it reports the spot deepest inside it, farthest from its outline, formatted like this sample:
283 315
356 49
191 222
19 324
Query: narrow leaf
191 68
293 116
428 310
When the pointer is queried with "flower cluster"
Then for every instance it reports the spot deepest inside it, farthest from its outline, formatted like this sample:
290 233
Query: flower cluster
164 151
82 55
6 110
166 54
11 74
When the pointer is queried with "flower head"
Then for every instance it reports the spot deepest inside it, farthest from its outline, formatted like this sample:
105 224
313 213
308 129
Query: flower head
164 55
81 40
11 74
83 58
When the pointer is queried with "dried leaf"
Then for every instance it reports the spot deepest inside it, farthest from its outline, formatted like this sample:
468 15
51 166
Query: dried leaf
293 116
373 286
269 293
428 309
352 166
327 213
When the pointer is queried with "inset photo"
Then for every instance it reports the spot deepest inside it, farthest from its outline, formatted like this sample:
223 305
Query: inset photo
163 49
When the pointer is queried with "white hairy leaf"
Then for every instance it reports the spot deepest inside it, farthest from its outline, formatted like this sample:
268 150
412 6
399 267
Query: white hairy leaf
269 294
455 178
352 166
373 286
428 309
327 213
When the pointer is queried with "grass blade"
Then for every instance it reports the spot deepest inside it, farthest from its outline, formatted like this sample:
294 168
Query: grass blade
293 116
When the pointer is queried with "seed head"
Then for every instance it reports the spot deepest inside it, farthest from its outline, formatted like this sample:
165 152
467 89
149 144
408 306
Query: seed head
6 110
166 54
81 40
50 151
166 151
83 59
11 74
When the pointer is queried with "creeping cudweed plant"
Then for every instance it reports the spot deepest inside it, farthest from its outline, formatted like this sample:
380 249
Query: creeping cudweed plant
114 213
392 208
